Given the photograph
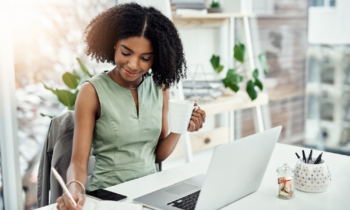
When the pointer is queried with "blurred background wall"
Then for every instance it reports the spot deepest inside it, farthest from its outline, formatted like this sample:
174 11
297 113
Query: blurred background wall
281 32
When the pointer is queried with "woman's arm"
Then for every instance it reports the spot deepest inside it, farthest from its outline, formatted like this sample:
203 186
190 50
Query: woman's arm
167 142
86 108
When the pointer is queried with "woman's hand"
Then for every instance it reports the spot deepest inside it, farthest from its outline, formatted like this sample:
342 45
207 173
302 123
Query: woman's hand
197 119
65 203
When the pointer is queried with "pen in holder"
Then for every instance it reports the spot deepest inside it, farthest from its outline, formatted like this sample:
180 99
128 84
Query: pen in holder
312 177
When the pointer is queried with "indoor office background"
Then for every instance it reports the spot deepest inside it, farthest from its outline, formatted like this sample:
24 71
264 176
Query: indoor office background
306 44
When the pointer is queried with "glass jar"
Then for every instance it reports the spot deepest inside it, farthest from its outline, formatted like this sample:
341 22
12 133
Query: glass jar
285 182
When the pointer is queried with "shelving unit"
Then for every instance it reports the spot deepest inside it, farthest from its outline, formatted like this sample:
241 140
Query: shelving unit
223 103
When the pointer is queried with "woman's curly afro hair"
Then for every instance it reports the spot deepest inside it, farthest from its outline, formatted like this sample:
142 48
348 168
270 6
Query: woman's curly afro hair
132 20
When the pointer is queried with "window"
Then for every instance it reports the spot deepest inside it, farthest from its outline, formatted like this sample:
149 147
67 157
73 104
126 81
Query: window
323 3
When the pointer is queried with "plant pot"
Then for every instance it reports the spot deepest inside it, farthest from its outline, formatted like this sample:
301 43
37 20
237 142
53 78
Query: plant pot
215 10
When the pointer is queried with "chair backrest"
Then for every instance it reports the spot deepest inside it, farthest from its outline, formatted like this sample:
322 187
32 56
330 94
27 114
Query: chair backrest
90 170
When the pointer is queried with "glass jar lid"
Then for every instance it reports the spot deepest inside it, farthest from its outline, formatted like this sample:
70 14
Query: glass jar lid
285 169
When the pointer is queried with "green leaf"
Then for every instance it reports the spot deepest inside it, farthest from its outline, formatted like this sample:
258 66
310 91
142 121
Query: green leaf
66 98
259 84
83 67
234 87
263 63
232 80
231 73
47 88
215 61
232 76
46 115
239 78
70 80
219 68
256 74
251 90
215 4
239 51
226 82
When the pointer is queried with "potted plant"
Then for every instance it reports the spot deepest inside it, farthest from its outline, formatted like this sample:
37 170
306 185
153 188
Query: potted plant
234 77
73 81
215 7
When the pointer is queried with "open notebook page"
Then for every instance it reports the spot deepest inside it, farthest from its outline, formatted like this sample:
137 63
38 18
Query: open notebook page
112 205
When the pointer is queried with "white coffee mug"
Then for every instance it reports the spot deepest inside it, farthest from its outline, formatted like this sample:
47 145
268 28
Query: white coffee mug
180 112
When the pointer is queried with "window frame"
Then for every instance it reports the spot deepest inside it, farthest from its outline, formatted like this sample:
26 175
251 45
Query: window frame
12 184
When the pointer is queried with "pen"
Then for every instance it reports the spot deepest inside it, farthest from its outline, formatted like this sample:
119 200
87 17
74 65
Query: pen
309 160
60 180
304 158
319 158
298 157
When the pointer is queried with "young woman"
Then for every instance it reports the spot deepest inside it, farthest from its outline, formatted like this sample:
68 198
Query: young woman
122 113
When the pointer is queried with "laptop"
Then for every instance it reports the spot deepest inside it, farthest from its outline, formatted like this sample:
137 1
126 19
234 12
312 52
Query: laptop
236 170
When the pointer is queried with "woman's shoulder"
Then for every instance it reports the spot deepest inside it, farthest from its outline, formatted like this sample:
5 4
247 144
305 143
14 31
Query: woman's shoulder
92 85
98 77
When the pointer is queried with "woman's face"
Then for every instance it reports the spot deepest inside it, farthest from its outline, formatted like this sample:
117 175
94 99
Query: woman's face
134 57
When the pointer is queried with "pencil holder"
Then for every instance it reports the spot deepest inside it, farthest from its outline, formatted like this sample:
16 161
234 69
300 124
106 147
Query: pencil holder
311 177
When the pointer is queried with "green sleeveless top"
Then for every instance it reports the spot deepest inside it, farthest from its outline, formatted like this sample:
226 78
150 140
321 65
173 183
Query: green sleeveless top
123 143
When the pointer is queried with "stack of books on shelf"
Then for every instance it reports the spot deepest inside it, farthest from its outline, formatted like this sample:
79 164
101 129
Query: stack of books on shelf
188 7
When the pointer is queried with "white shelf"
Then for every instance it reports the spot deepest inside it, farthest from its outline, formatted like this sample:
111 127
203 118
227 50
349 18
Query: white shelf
213 15
239 100
206 20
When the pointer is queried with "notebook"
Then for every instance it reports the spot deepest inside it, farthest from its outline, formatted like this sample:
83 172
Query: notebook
92 204
112 205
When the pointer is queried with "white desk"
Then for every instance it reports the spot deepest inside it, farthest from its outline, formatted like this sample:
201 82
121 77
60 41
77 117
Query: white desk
337 197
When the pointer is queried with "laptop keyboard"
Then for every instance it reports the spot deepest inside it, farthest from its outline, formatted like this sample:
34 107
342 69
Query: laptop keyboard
187 203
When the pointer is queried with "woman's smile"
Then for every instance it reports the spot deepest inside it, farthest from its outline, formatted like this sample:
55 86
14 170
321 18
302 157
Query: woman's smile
129 73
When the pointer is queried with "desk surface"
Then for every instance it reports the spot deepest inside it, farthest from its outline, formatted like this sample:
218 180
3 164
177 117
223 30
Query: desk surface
337 196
